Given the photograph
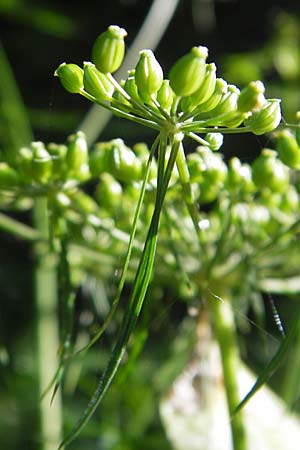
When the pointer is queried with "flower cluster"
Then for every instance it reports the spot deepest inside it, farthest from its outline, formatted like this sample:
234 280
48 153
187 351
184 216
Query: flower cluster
191 100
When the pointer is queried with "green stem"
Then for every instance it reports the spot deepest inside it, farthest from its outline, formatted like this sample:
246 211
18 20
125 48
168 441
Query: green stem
16 228
139 289
118 112
45 289
224 329
188 195
290 384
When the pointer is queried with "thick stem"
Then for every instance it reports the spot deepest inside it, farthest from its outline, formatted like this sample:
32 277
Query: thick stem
224 329
45 289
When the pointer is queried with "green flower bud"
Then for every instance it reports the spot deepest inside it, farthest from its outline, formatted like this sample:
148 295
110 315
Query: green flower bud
187 74
228 103
24 164
290 200
71 77
62 200
288 149
41 163
126 106
96 83
131 88
142 152
122 162
83 203
109 49
252 97
9 177
58 154
148 74
196 167
208 193
109 193
165 96
215 140
77 156
215 170
99 158
239 177
221 88
233 119
204 92
269 172
266 119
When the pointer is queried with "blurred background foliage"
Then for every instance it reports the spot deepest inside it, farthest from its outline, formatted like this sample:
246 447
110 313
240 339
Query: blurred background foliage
248 40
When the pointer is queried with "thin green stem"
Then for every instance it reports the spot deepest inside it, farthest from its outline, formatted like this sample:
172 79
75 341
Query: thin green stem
118 112
137 296
188 195
200 127
198 139
115 302
140 107
12 226
224 328
45 288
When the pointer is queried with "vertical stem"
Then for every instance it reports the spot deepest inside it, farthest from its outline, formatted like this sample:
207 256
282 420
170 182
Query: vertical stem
290 384
188 196
224 329
45 289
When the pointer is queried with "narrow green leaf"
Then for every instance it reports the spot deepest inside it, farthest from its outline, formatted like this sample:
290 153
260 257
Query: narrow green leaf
135 302
128 254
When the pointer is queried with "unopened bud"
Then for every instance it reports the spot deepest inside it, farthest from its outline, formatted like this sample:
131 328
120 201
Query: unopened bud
24 163
165 95
131 88
187 74
221 88
9 177
288 149
269 172
109 192
122 162
96 83
207 87
109 49
71 77
252 97
148 74
41 163
77 156
215 140
266 119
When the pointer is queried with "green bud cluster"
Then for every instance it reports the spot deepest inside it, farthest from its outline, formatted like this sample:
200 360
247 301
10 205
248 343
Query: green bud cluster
42 169
192 98
208 171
